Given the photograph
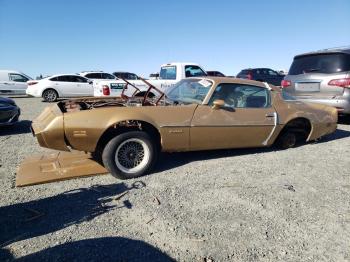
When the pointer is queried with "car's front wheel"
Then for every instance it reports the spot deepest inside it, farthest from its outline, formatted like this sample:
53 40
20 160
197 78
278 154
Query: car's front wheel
129 155
50 95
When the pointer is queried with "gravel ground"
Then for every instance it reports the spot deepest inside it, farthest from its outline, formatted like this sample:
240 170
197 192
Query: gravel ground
230 205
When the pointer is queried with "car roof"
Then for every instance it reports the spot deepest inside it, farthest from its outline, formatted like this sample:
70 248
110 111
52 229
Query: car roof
258 68
180 64
89 72
229 80
344 50
56 75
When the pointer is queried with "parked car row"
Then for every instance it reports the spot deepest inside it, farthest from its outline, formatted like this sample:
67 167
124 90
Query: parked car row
320 77
104 84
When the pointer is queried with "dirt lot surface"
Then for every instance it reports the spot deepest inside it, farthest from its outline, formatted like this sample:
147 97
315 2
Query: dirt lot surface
231 205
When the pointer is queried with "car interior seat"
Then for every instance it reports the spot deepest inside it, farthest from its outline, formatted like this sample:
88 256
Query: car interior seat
256 101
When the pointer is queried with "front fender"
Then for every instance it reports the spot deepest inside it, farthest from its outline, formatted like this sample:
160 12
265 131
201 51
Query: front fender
83 129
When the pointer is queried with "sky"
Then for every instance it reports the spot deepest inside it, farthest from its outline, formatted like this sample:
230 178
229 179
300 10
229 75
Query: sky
66 36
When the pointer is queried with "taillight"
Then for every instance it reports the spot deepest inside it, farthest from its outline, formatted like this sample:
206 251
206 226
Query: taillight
285 83
106 91
250 76
342 82
32 83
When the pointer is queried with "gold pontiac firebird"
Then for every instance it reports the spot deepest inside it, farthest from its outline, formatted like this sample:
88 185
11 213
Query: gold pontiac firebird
126 134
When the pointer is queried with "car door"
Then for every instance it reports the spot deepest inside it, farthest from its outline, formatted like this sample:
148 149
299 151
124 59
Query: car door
63 85
83 87
246 119
17 83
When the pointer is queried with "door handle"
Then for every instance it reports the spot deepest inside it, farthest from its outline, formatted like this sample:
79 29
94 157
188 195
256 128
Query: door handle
270 115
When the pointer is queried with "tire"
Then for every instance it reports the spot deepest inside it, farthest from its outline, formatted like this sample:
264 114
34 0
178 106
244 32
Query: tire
287 140
121 152
50 95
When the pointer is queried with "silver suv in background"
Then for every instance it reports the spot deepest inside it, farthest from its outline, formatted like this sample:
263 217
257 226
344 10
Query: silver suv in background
321 77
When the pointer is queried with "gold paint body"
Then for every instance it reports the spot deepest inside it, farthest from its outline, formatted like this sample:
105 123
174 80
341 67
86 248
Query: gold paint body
185 127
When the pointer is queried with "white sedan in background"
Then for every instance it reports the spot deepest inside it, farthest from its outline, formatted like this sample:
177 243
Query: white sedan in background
53 87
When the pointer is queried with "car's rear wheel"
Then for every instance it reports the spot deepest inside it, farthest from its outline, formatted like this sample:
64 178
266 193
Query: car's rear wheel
129 155
50 95
287 140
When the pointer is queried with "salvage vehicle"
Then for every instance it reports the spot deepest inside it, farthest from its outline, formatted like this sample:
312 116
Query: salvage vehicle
9 111
127 133
169 75
321 77
13 82
58 86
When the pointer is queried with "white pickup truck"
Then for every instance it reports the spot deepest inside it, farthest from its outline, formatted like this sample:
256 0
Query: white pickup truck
169 75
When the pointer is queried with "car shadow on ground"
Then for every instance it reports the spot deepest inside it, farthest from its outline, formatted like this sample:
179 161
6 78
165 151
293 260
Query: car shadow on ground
21 127
338 134
43 216
344 120
96 249
172 160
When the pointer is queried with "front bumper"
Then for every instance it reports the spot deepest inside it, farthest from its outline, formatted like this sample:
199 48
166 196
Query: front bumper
9 117
49 130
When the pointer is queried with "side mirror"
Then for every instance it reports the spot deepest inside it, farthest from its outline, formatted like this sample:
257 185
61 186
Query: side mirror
90 82
217 104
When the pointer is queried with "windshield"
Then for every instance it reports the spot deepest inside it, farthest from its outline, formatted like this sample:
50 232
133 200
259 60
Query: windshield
190 91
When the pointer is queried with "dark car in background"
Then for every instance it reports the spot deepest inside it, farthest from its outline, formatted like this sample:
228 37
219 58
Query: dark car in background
321 77
215 73
9 111
262 74
126 75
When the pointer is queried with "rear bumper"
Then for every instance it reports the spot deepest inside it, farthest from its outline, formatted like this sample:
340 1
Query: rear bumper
342 105
35 92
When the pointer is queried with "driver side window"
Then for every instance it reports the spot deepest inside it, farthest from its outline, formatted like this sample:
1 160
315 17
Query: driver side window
18 78
241 96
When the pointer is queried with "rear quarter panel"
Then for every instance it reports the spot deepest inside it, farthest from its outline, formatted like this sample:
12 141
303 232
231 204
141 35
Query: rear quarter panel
323 119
